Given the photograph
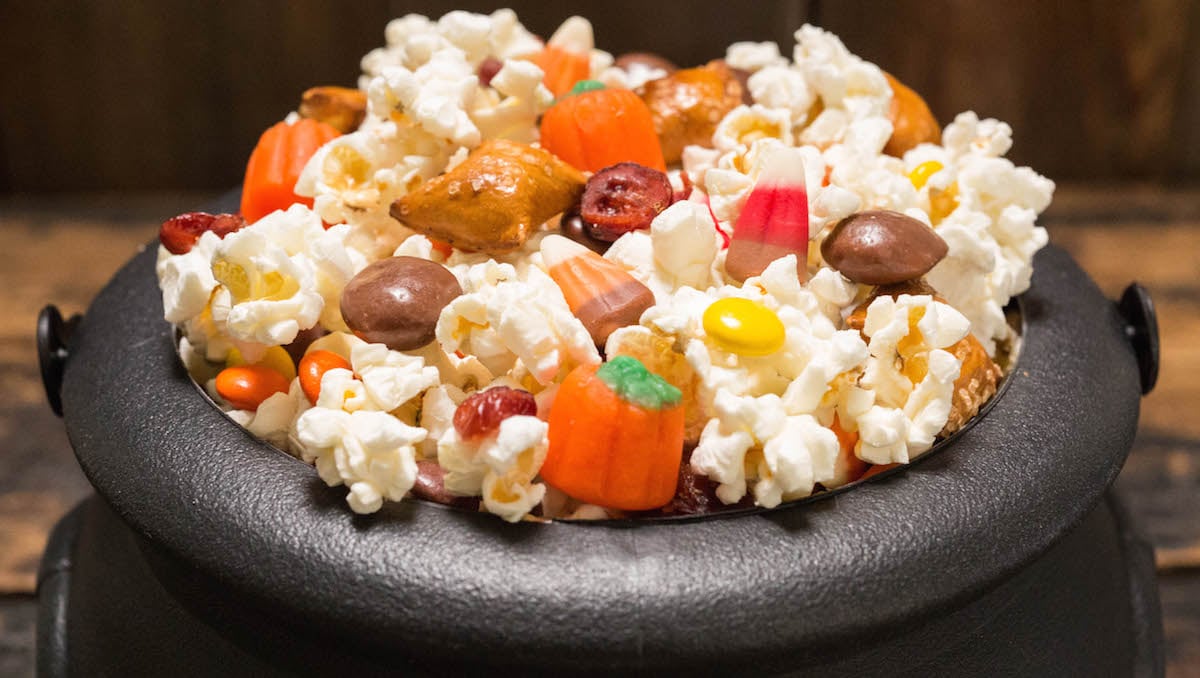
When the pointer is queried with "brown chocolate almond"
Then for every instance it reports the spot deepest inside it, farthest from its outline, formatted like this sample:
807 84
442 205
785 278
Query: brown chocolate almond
397 301
494 199
881 247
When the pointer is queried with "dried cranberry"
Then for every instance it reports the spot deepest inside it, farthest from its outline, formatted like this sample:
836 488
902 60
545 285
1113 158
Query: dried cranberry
488 70
481 413
179 234
623 198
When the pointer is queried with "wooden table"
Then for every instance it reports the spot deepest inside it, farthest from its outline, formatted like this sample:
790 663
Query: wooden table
62 249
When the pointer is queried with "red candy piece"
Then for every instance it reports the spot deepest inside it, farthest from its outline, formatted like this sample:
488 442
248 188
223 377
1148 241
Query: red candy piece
622 198
481 413
179 234
774 221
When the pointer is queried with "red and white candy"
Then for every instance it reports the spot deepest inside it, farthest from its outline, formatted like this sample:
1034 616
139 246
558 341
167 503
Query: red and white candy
774 221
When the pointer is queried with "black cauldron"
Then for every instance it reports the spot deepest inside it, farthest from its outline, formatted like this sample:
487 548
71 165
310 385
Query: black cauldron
208 551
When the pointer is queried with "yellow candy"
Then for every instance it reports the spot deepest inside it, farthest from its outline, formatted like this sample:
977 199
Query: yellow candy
922 172
743 327
276 358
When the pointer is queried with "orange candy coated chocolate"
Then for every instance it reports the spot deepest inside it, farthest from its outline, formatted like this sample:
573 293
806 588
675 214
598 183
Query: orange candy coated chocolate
245 387
313 367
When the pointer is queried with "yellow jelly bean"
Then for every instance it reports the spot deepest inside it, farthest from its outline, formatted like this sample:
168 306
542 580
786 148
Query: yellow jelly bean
743 327
276 358
922 172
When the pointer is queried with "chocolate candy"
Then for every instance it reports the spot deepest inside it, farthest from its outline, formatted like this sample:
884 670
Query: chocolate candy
397 301
881 247
572 226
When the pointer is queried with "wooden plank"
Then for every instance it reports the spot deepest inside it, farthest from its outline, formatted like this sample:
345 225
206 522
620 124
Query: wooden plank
1091 89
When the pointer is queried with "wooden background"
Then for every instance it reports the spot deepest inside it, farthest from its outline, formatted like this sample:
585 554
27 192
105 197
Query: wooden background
116 114
147 94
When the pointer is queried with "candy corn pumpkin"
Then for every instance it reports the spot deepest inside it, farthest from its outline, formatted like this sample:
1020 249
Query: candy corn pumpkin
616 436
594 127
276 163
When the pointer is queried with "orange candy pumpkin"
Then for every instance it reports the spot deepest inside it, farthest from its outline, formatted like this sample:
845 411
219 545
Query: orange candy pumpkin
276 163
593 128
616 436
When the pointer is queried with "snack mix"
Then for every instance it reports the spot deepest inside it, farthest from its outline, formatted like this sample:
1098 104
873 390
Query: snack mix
536 280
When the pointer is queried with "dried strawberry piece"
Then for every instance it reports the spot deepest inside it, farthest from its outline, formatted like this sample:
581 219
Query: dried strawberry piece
481 413
179 234
622 198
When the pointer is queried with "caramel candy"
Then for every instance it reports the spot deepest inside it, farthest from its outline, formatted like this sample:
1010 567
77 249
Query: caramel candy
881 247
912 121
397 301
341 107
687 105
494 199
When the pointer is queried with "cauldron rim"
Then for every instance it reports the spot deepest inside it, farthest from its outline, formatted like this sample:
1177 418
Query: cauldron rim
888 553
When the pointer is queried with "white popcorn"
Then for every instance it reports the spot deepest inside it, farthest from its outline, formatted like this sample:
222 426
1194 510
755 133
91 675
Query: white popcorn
186 280
753 56
780 87
273 419
801 454
912 378
354 179
391 378
499 466
685 244
268 281
744 125
508 320
370 452
514 114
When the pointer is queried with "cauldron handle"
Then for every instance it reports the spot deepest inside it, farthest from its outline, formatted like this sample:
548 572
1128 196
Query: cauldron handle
53 339
1141 326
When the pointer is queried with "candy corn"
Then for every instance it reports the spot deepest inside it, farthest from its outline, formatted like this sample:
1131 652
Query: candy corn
774 221
566 58
600 293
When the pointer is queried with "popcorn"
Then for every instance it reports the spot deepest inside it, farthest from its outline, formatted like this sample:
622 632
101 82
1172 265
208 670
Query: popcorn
370 452
268 282
753 56
391 378
910 374
746 124
499 467
186 280
781 87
